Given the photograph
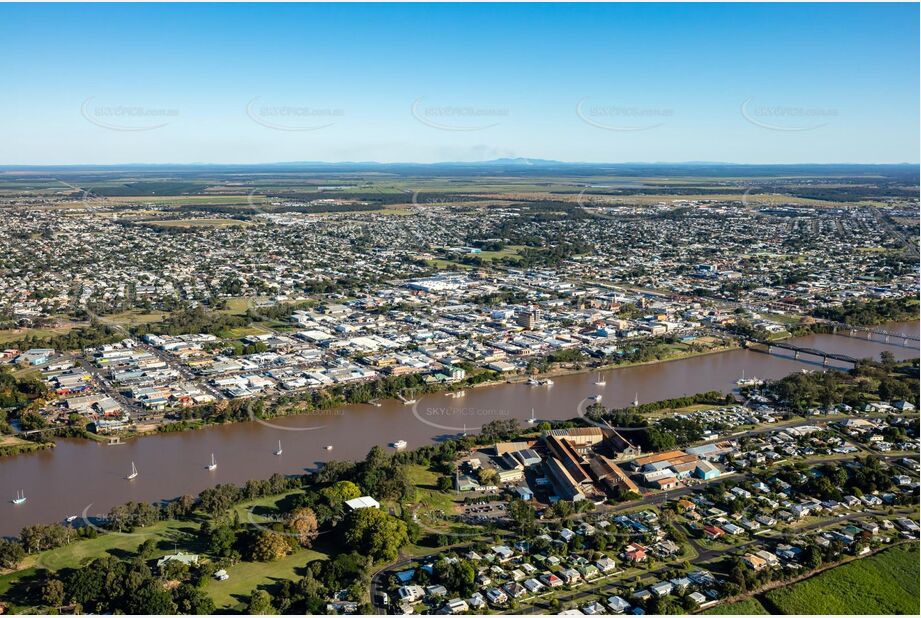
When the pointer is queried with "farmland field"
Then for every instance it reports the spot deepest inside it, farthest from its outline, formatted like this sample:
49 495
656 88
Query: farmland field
748 607
886 583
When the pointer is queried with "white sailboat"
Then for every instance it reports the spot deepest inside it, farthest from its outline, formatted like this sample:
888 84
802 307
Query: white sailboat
600 381
279 451
20 497
636 400
213 464
134 472
533 418
743 381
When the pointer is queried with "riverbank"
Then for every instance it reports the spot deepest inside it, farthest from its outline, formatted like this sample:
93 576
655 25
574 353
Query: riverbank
13 445
612 366
272 411
78 472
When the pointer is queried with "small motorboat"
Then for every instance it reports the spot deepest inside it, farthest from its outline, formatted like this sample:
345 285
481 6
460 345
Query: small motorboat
328 447
399 444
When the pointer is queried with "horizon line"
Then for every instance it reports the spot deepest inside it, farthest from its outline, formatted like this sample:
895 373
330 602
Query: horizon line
522 161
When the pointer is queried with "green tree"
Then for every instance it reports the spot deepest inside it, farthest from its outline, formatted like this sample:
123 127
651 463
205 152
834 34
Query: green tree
458 576
339 492
192 600
53 592
269 546
221 540
303 521
11 554
375 534
260 603
152 598
147 549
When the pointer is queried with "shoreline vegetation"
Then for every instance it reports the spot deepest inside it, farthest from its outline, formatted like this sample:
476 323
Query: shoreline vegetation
563 362
799 392
268 523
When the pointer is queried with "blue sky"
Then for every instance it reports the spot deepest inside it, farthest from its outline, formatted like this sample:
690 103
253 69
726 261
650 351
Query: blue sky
432 82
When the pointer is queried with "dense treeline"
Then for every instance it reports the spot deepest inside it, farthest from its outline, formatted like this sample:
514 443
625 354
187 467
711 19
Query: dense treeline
250 209
665 433
147 187
869 381
866 313
16 392
388 387
91 335
196 320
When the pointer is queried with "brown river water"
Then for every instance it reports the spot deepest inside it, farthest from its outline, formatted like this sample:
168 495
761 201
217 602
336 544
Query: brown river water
80 476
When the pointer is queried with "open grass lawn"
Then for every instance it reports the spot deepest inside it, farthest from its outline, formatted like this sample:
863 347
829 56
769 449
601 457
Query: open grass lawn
168 534
245 577
243 331
511 250
739 608
448 265
134 317
886 583
248 576
427 492
238 305
15 334
434 509
172 535
260 510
